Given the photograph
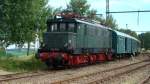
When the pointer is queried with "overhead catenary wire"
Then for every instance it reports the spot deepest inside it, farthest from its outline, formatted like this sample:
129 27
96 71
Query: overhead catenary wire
108 11
138 11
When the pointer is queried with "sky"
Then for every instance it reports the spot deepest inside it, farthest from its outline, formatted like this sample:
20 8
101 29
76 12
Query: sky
124 20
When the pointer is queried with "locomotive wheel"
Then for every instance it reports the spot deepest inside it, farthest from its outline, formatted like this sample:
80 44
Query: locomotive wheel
57 61
48 62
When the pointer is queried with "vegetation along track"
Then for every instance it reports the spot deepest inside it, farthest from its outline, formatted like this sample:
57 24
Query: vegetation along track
105 75
8 77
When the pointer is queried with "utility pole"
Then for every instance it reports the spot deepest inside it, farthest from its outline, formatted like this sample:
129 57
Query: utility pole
126 26
107 9
138 11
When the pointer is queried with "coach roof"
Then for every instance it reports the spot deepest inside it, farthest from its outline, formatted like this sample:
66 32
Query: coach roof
125 35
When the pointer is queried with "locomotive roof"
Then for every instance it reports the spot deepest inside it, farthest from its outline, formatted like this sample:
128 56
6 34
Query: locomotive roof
60 20
90 23
76 20
125 35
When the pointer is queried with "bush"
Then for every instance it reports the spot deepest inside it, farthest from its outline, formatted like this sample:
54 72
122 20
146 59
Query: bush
2 52
11 64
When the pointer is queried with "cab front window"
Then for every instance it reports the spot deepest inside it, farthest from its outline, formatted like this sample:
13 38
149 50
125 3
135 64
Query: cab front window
72 27
62 27
52 27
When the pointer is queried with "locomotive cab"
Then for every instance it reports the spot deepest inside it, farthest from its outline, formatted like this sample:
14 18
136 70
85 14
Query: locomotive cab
60 35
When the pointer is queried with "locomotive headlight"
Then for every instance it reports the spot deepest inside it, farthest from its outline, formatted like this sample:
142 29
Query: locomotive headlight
68 44
69 41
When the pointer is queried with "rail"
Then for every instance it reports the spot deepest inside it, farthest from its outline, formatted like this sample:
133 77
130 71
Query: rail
94 73
146 80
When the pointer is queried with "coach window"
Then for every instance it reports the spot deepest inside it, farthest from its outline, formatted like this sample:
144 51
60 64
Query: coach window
62 27
71 27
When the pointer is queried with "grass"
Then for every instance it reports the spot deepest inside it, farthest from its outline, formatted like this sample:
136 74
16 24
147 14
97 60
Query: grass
19 52
15 63
2 52
21 64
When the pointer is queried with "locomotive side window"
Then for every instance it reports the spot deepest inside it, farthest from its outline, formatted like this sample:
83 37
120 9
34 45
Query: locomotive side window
62 27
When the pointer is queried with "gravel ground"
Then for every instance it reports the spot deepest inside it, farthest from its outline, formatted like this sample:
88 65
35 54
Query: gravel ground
99 76
148 82
135 77
60 75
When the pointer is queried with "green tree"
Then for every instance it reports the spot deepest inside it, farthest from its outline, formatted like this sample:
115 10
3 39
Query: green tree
37 21
83 8
19 18
110 22
145 40
78 6
128 31
3 23
91 14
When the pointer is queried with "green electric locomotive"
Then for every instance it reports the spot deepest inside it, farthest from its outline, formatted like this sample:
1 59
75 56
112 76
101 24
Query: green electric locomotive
74 41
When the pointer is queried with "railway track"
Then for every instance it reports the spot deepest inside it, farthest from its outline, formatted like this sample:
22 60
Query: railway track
9 77
17 76
146 81
106 79
98 77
